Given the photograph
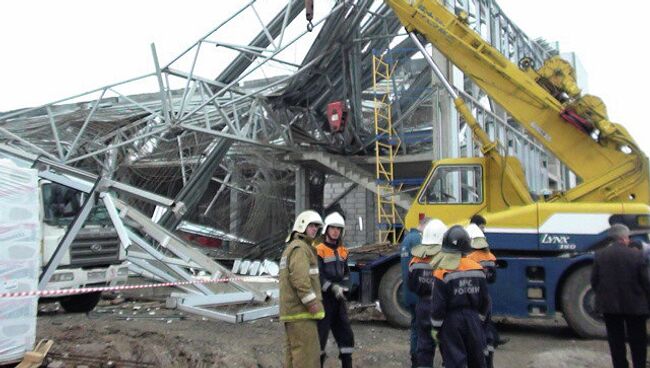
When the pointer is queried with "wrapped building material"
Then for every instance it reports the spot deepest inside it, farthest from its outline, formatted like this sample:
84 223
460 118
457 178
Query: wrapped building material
20 233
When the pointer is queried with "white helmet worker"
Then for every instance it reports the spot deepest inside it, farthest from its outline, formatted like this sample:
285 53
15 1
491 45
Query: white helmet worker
477 236
303 220
336 220
433 232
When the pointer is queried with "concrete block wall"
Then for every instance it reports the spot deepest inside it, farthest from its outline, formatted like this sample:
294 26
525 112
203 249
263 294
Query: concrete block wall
360 203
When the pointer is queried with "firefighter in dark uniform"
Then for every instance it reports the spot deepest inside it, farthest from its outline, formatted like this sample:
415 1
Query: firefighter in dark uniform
409 298
420 281
334 277
481 254
300 295
460 304
497 340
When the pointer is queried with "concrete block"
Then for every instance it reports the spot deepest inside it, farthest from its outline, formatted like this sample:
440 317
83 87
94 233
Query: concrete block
271 267
236 265
243 267
254 268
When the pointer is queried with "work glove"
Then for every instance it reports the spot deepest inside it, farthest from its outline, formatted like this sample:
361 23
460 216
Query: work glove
434 335
339 291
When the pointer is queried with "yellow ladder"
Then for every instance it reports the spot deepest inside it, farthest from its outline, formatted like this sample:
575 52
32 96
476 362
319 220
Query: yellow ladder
387 145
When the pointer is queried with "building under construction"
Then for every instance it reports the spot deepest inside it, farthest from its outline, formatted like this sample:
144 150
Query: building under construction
243 152
206 169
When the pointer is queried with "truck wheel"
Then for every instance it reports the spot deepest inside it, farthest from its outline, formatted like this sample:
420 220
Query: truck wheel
390 298
579 305
81 303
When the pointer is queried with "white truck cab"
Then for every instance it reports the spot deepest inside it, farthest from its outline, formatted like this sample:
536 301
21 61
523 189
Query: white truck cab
95 258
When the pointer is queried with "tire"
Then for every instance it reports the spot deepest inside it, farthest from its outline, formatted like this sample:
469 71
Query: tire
82 303
390 296
578 305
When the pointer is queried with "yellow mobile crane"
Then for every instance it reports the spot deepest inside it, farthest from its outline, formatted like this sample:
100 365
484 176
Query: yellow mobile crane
545 245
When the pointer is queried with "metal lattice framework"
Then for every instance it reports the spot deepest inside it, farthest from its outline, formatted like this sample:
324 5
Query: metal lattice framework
273 82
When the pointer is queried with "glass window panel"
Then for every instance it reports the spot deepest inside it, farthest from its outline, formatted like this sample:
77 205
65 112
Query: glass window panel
454 185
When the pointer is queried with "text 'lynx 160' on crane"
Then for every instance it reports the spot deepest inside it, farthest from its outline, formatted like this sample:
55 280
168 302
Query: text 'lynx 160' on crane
544 245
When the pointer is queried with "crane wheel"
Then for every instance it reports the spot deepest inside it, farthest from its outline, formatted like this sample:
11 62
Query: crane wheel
390 297
578 305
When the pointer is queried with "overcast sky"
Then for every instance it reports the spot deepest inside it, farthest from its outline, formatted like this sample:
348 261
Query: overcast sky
56 49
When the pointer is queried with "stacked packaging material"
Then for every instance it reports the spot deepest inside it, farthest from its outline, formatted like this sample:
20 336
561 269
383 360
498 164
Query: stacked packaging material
20 233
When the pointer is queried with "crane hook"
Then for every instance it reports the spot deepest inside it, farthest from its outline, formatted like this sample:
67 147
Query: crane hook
309 13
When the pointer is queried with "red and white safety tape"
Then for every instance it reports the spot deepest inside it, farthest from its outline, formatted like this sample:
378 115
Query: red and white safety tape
64 292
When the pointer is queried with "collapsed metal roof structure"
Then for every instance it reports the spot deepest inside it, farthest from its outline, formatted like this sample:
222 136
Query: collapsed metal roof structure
226 145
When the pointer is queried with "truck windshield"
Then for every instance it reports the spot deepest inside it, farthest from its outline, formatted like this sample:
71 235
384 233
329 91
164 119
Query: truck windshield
61 204
454 184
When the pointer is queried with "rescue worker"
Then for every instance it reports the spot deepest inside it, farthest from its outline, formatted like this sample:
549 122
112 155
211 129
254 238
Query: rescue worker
482 255
300 295
619 278
481 252
420 281
460 304
479 221
497 340
334 278
410 240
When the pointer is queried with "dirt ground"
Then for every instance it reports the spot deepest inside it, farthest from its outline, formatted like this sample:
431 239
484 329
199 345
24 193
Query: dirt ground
146 334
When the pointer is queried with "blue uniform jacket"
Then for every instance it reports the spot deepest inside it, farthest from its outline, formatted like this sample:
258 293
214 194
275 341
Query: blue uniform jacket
410 240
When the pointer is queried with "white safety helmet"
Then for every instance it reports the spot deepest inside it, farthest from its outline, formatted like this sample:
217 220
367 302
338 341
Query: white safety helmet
303 220
334 219
477 236
433 232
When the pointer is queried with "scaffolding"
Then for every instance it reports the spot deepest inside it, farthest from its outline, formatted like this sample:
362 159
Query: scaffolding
387 144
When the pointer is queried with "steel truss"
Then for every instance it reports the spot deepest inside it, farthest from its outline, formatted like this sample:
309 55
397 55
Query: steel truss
152 250
263 102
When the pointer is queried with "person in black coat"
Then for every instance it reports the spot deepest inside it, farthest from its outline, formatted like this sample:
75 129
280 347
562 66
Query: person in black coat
620 280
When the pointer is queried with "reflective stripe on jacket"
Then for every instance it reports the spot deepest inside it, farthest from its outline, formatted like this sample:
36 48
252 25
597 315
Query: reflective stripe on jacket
487 260
462 288
332 265
421 278
299 283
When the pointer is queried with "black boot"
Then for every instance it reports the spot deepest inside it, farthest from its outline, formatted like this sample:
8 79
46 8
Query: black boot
490 360
323 356
346 360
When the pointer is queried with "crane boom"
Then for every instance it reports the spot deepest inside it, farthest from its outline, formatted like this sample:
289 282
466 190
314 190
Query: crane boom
547 104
